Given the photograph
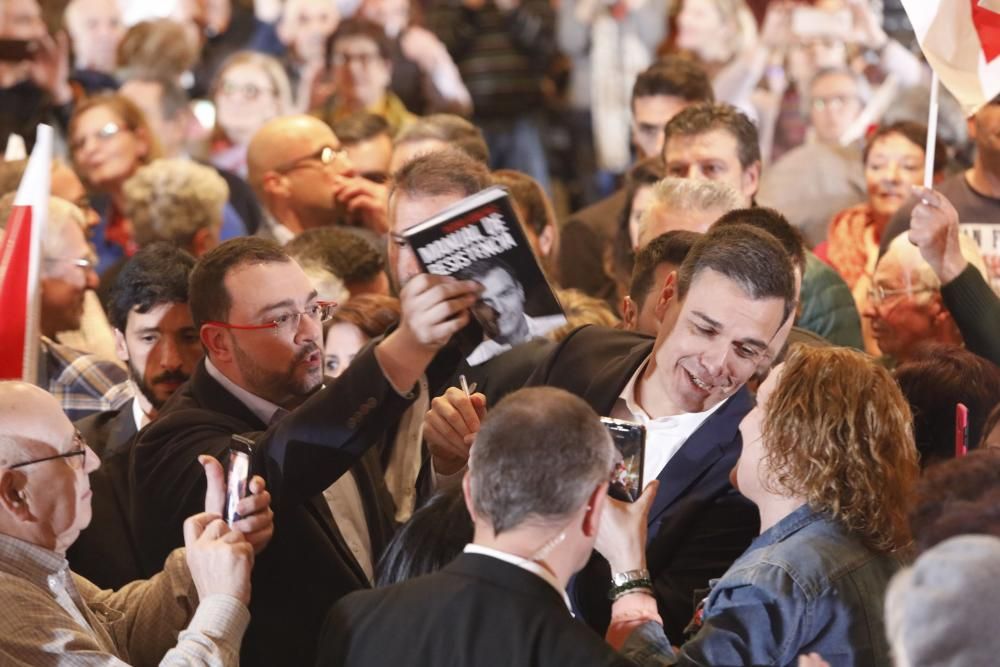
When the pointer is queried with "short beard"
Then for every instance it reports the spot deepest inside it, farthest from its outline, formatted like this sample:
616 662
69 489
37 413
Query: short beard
140 382
280 388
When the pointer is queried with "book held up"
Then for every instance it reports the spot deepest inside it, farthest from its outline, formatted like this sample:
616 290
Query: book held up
480 238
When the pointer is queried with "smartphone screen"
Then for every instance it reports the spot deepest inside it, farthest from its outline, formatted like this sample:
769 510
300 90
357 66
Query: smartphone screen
630 450
238 471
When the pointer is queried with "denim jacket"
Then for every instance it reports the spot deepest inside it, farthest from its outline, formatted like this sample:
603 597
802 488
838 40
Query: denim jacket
804 585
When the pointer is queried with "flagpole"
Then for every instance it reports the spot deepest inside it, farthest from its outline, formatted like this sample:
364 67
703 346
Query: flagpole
932 118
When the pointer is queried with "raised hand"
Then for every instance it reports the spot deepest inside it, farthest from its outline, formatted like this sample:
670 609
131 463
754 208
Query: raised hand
450 427
219 559
934 229
622 536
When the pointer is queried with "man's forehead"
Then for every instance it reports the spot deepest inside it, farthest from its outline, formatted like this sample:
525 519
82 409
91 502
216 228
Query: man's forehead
715 143
715 296
253 284
407 210
834 83
177 313
31 413
354 44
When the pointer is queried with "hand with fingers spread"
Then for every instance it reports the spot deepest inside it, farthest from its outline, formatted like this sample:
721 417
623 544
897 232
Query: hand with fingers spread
256 518
365 201
622 536
220 559
934 229
450 427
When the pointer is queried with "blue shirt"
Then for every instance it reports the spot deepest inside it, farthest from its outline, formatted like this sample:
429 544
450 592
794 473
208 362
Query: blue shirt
804 585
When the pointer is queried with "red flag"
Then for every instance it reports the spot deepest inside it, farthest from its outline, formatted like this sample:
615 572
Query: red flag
20 259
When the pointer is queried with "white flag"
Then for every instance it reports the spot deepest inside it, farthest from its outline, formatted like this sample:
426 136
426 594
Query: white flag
961 41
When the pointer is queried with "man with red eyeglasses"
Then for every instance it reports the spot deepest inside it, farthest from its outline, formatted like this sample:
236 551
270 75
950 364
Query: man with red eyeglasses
260 323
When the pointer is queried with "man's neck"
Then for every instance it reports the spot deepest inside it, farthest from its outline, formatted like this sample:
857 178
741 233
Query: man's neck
530 543
984 176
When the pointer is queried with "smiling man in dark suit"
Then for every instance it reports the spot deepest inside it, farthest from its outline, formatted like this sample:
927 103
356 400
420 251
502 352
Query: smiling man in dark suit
724 308
260 323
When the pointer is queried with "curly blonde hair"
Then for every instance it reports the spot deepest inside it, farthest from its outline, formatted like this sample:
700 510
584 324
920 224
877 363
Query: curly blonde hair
171 199
838 433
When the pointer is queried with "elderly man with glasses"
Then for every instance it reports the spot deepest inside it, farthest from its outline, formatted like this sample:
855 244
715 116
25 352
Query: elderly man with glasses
193 612
304 179
905 307
82 383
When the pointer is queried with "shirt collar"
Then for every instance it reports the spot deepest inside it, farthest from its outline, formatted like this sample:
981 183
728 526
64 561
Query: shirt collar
524 564
263 408
140 417
30 561
282 235
628 396
794 522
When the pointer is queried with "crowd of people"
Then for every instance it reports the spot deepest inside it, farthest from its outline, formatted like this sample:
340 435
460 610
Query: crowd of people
728 200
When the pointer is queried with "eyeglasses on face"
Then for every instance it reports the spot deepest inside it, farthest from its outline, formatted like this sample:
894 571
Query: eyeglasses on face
107 132
364 59
80 449
325 156
878 294
286 323
249 91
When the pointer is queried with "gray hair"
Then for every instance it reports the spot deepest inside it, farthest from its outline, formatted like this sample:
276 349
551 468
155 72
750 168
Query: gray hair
690 194
908 255
539 455
171 199
864 90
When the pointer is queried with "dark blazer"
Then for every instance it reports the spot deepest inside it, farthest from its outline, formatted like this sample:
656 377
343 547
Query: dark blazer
698 524
307 566
478 611
106 552
582 243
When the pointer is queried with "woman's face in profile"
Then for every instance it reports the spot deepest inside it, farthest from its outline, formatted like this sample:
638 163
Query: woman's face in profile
751 471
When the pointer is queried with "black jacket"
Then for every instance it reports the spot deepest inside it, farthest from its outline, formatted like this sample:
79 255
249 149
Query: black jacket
478 611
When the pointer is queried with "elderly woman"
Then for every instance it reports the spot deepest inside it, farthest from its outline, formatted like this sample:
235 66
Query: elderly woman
178 201
109 140
828 459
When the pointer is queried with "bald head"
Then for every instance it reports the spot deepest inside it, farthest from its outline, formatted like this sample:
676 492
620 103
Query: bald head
283 140
27 414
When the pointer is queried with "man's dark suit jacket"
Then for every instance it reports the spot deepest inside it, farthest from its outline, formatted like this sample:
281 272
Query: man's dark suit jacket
582 243
698 523
106 552
477 612
307 566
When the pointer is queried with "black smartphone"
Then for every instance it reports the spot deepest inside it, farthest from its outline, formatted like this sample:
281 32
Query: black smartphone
15 50
239 469
630 451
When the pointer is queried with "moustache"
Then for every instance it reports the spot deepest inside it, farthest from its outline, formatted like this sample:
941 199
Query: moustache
171 376
306 351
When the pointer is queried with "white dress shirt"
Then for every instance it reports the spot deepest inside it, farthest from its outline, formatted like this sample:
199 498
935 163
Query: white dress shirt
664 435
524 564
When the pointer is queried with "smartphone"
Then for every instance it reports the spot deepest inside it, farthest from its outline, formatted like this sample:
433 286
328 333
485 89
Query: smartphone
238 472
630 451
961 430
14 50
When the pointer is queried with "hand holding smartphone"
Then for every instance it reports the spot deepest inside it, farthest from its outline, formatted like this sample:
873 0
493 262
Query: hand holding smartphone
630 445
239 470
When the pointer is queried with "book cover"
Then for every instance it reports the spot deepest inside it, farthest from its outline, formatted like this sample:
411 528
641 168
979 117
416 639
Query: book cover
481 239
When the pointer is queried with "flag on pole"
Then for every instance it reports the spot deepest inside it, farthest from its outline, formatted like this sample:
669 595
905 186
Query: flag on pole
20 261
961 41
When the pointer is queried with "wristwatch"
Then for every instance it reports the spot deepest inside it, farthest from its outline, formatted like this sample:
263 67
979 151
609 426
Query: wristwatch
621 578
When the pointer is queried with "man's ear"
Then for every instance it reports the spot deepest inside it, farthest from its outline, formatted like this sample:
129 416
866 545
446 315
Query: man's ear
595 508
750 180
218 342
467 494
121 349
275 185
12 498
630 313
970 124
547 240
204 240
668 293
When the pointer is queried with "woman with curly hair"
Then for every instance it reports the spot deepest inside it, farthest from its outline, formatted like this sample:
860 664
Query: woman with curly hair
828 459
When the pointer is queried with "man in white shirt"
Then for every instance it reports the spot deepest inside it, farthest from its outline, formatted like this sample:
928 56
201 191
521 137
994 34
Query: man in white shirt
724 308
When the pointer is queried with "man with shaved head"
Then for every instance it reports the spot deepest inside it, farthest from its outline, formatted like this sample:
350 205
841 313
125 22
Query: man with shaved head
304 179
52 616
